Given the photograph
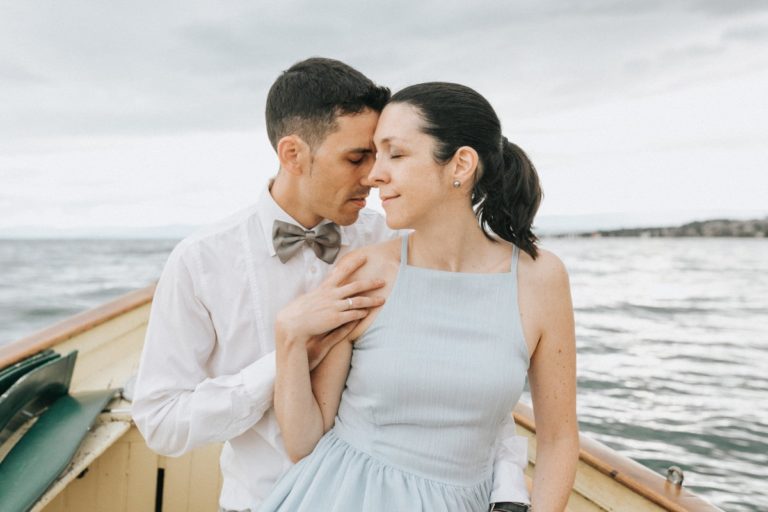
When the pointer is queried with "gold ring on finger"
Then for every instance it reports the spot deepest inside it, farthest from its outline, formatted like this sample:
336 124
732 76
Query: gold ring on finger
349 303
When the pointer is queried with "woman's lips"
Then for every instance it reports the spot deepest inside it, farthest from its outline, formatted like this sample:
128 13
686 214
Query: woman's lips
388 199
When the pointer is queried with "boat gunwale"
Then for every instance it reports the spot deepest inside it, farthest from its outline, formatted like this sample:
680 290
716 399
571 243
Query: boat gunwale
74 325
595 454
628 472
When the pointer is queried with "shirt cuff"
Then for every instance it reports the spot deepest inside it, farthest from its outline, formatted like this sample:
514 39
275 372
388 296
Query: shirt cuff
259 381
509 483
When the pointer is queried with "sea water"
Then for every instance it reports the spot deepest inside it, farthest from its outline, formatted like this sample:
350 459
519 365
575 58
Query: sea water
672 339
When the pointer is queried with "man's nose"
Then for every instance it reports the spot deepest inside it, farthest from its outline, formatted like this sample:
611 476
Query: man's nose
366 181
376 176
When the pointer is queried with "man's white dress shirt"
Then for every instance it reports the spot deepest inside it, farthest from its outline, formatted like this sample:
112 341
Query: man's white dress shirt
208 366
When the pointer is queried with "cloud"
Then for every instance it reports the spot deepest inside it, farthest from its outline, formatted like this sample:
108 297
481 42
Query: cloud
747 33
156 69
17 74
611 8
726 8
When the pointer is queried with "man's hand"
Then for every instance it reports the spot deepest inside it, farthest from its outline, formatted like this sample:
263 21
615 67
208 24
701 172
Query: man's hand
323 317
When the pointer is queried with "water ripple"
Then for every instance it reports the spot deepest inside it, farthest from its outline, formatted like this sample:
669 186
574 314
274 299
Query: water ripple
673 349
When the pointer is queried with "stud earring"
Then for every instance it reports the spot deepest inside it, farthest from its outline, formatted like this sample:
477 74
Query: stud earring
456 184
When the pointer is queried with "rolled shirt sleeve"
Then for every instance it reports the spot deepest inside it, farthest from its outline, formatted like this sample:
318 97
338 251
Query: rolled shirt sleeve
177 406
510 461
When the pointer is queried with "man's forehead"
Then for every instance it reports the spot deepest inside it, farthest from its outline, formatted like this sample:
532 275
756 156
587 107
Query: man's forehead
352 141
366 119
354 132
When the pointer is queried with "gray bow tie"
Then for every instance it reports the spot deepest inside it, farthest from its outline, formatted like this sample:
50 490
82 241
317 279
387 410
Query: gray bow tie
324 240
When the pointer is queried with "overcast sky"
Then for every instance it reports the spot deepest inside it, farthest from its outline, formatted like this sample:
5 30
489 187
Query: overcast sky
151 113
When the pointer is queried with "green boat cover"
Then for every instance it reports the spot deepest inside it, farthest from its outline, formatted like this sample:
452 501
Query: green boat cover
46 450
12 373
37 388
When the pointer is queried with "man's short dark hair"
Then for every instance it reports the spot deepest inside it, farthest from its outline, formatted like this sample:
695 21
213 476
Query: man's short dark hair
307 98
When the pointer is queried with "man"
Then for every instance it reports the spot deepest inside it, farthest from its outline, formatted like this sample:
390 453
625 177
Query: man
208 367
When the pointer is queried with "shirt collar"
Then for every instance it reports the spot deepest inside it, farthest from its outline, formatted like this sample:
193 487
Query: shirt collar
269 211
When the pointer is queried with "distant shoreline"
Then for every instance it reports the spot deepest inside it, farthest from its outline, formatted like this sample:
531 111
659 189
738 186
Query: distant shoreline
721 228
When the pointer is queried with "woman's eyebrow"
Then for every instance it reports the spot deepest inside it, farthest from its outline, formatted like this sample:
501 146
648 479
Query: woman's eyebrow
389 140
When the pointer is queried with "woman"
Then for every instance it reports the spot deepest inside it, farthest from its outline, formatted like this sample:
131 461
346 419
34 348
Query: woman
434 372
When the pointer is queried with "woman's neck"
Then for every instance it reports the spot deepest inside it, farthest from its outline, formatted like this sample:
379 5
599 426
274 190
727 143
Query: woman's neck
455 243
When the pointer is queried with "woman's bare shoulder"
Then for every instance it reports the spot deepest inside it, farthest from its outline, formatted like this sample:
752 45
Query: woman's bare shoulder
547 271
379 259
544 295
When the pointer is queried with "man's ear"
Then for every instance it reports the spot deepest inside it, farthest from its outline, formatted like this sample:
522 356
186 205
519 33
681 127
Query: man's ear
465 166
294 154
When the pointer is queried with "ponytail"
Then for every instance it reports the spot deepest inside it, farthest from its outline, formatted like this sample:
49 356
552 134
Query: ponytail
507 197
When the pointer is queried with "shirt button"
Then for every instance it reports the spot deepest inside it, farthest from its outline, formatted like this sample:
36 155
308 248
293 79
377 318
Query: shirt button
312 269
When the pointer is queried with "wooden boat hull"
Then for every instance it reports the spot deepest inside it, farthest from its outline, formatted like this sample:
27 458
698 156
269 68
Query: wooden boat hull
115 471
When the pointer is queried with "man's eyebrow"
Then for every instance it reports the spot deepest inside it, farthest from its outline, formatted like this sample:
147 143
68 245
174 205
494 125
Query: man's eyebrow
360 150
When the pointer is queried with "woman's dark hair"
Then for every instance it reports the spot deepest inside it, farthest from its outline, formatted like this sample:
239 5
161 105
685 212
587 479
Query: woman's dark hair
506 193
307 98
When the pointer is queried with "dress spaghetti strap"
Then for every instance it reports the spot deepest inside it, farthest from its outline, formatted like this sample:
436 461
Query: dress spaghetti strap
404 251
515 257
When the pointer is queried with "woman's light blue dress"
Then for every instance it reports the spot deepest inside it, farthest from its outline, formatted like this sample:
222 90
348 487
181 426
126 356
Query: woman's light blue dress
431 381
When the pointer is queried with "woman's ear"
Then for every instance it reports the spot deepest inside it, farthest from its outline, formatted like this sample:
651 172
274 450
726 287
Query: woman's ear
465 166
294 154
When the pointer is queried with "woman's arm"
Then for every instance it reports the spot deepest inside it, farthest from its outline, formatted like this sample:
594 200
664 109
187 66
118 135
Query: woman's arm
306 404
329 379
305 330
552 377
